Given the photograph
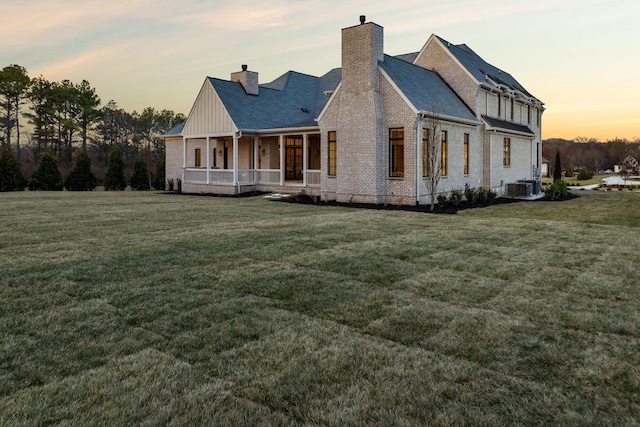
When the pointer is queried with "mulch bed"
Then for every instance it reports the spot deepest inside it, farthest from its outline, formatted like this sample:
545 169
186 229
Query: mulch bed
449 210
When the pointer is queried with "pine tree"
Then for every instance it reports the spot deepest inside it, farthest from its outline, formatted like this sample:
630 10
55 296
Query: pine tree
140 178
81 177
11 178
114 178
557 167
48 176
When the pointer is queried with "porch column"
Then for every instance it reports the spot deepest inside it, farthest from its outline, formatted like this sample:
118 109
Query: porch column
282 160
208 162
304 159
255 152
235 158
184 159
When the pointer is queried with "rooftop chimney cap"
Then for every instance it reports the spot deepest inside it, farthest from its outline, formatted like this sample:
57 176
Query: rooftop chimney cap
362 19
244 67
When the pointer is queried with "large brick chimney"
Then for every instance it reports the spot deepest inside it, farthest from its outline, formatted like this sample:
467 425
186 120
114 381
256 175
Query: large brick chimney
360 131
248 80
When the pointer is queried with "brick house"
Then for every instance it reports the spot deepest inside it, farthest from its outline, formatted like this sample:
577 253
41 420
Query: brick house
358 133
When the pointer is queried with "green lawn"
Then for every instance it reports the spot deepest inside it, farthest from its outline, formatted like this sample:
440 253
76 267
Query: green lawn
155 309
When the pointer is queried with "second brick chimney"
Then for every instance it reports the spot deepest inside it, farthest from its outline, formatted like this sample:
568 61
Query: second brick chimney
248 80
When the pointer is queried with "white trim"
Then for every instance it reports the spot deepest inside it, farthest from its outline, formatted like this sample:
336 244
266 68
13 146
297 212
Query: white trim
210 135
333 95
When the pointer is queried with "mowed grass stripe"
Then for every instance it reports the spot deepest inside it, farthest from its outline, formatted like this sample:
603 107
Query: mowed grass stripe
278 313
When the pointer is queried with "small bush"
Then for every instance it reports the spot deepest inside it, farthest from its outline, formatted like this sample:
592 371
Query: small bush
179 185
455 197
491 195
483 195
584 174
470 194
48 176
556 191
170 184
442 200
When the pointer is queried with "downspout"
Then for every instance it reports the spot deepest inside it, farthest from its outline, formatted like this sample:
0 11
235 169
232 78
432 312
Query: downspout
418 155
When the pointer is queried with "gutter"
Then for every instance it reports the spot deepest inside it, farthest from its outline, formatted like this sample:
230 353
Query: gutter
279 130
424 114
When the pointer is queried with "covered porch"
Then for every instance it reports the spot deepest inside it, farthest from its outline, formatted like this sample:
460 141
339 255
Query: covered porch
243 162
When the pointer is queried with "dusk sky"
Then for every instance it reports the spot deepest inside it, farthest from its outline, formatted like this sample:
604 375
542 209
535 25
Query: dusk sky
580 57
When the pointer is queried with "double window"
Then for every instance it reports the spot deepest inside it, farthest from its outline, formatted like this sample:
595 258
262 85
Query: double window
396 152
331 170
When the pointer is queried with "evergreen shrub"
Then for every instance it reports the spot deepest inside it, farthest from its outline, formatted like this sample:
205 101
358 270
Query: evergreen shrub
11 178
81 178
455 197
114 178
584 174
140 178
159 178
556 191
48 176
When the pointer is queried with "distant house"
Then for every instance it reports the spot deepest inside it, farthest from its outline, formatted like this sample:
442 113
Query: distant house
545 170
357 134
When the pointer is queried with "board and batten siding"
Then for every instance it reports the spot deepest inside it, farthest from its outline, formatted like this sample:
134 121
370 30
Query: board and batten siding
209 115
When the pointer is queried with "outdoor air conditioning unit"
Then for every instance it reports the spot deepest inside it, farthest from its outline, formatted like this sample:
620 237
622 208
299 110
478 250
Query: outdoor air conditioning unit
520 189
537 185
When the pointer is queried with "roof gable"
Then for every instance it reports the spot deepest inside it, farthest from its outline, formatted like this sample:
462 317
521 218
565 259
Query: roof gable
480 69
425 89
209 115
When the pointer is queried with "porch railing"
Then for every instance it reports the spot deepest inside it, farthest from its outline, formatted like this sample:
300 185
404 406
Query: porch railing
219 176
313 178
225 176
268 176
195 175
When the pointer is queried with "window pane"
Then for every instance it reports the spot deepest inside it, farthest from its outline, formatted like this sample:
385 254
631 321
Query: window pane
443 159
332 154
466 154
396 152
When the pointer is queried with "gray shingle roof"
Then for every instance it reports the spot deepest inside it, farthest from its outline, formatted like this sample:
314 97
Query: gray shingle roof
425 89
176 130
292 100
481 69
505 125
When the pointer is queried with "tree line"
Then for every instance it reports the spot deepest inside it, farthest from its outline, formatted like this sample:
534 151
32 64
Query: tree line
589 153
61 120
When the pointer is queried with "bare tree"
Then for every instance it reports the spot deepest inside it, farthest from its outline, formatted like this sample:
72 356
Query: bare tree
431 155
629 166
